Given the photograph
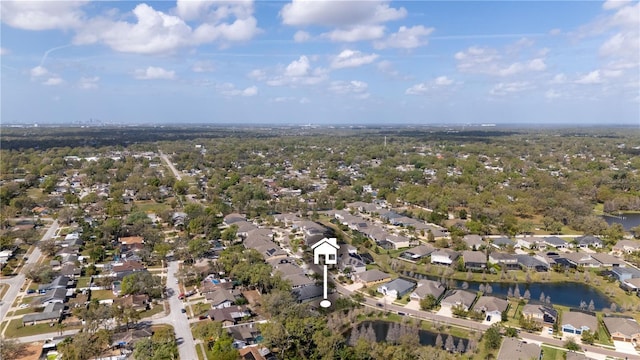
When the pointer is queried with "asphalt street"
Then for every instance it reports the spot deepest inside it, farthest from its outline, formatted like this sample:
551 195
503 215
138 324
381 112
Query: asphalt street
17 281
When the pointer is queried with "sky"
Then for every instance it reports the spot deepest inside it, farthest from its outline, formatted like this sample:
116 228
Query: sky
320 62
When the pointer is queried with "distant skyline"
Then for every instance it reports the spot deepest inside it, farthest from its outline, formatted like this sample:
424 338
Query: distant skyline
320 62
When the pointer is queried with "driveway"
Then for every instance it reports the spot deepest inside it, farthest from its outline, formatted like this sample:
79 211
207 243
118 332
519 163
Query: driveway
625 348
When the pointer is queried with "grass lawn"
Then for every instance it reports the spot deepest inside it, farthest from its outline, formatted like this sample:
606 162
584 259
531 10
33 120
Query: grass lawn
200 308
549 353
402 301
200 354
102 295
23 311
15 329
155 310
3 289
602 335
83 281
151 206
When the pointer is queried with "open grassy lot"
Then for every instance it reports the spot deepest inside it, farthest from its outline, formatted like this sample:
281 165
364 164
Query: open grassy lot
549 353
102 295
83 281
155 310
150 206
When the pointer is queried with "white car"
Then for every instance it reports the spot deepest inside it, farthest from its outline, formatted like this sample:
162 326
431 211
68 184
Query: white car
24 306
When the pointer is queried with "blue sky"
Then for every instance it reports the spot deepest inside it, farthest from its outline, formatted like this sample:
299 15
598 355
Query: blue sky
321 62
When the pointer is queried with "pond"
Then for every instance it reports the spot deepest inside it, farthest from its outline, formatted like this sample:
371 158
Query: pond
381 330
568 293
628 220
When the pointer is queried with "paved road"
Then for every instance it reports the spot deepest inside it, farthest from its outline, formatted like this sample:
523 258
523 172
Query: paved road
170 164
16 282
180 322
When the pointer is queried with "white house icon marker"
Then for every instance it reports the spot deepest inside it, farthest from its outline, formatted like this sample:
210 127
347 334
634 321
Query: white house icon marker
327 248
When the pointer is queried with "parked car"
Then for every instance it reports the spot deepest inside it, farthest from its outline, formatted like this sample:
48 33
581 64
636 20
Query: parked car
31 291
203 317
183 310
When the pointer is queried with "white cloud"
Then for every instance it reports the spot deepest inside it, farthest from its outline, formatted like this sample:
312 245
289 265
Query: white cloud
406 38
349 87
436 84
88 83
590 78
489 61
559 79
229 89
53 81
42 15
614 4
443 81
38 71
356 33
352 58
298 67
502 88
552 94
301 36
202 66
338 13
298 72
156 32
154 73
4 51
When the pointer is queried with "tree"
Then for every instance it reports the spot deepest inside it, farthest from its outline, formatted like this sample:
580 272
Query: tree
142 282
588 337
571 345
229 234
511 332
10 348
428 303
208 332
492 338
439 343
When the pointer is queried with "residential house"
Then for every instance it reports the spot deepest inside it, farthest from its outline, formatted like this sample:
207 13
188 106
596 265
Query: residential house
245 333
589 241
353 263
507 261
492 307
622 329
607 260
131 241
577 322
372 277
233 218
528 262
444 256
230 315
474 260
625 273
502 242
51 314
308 293
399 241
555 242
129 337
52 296
256 353
136 302
459 298
244 228
516 349
540 313
531 243
312 231
581 259
120 270
417 253
631 285
426 288
623 247
59 282
396 288
220 298
473 241
5 255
